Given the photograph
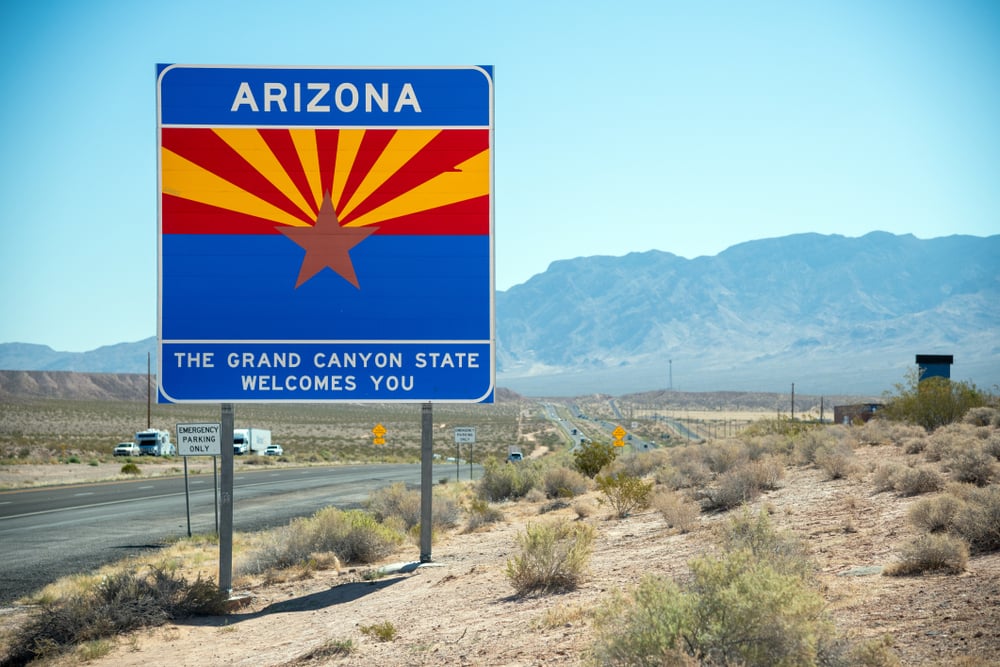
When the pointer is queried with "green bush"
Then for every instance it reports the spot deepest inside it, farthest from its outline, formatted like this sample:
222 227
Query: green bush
506 481
931 553
933 402
591 457
778 426
735 611
481 513
754 533
553 557
624 492
384 631
130 469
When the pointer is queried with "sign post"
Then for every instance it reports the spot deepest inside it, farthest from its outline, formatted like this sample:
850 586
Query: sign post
466 435
197 440
345 217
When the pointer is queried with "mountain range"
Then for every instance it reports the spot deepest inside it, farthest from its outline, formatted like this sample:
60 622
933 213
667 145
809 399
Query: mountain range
829 313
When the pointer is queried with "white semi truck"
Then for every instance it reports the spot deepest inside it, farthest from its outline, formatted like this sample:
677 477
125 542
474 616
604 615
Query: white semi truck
153 442
251 440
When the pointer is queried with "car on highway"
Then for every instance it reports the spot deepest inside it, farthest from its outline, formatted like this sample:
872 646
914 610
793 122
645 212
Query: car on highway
127 449
274 450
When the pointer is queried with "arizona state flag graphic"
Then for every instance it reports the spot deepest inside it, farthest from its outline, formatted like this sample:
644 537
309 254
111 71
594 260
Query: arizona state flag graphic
325 234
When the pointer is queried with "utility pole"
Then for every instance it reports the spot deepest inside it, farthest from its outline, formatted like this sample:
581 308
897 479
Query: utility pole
793 401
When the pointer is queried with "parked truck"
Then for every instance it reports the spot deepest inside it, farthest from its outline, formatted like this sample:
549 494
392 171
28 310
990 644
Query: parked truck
514 454
153 442
251 440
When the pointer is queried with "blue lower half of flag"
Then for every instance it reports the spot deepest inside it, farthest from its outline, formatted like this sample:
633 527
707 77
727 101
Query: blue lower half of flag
242 287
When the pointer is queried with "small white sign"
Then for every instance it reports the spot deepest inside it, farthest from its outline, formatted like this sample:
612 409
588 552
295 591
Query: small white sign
199 439
465 435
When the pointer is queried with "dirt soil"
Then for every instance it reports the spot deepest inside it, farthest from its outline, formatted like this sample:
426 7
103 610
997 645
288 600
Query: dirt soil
460 609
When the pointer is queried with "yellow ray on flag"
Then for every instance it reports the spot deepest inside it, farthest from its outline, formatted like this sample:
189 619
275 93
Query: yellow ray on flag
185 179
348 144
471 180
305 146
248 143
400 150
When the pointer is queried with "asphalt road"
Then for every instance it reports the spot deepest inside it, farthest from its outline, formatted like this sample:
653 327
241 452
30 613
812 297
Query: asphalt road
49 533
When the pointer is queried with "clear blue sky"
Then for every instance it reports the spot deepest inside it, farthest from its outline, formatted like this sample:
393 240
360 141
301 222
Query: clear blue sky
686 127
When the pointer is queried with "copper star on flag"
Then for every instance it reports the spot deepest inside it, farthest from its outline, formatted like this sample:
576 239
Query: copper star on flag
327 244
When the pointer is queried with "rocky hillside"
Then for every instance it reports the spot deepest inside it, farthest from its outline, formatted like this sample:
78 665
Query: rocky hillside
834 314
72 385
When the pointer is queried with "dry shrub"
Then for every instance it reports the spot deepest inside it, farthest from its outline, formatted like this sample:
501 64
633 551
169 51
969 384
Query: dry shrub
811 442
836 460
992 445
931 553
934 515
506 481
949 440
884 432
772 444
915 445
553 557
884 477
915 481
677 510
686 472
983 416
120 602
354 536
978 520
767 472
722 456
972 465
584 508
397 503
732 489
564 482
644 463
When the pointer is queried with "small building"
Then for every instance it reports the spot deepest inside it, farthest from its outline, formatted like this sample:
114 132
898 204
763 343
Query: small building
935 365
850 414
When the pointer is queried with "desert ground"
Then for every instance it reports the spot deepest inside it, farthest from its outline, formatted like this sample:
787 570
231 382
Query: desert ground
460 609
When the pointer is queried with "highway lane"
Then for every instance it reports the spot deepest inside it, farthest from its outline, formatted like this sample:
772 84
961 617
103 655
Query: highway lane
52 532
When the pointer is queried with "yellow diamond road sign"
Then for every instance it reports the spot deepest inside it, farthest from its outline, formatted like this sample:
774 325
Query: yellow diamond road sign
619 433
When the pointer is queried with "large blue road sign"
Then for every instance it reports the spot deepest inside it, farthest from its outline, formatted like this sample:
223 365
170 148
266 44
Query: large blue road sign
325 234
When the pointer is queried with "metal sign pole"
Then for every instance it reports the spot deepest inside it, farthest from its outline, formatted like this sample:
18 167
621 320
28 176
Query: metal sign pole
226 502
426 481
187 495
215 491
